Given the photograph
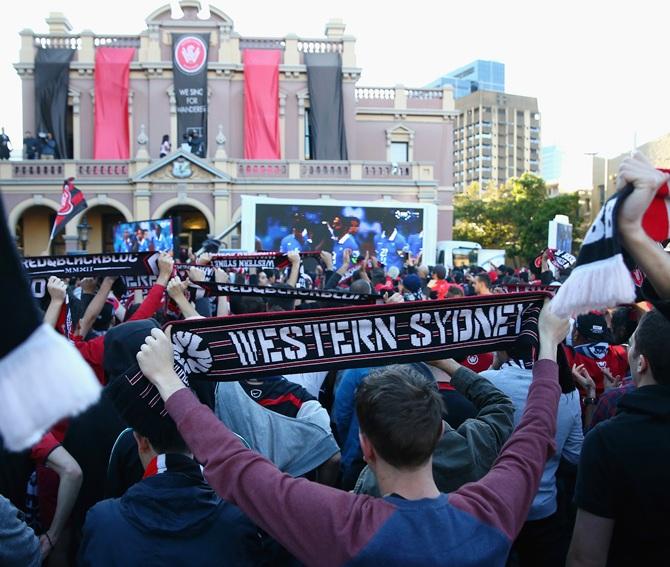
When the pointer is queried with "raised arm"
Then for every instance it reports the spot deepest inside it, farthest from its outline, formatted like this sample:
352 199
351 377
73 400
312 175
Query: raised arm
503 497
57 290
153 300
95 306
648 255
294 258
493 424
177 291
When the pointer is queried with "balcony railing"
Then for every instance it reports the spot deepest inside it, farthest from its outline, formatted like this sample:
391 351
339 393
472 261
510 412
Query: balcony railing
262 169
120 171
262 43
106 169
46 169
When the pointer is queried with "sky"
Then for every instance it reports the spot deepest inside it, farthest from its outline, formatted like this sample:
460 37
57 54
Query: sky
596 67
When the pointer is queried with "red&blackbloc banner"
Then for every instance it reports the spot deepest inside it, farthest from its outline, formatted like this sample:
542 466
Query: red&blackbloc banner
271 344
112 68
261 104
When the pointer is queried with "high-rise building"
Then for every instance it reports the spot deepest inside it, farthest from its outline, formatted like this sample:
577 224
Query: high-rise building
477 76
496 136
552 164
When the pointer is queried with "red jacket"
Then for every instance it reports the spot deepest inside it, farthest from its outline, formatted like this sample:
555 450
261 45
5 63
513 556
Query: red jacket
93 351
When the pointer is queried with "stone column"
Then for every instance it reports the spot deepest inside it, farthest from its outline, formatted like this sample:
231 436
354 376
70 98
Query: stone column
87 51
221 208
76 125
142 201
291 55
27 52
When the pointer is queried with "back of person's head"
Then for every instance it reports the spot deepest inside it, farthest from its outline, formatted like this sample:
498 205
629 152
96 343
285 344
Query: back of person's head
458 276
484 279
523 276
243 305
651 340
121 345
624 323
546 277
150 422
565 379
440 272
510 271
455 291
279 303
360 286
400 412
378 276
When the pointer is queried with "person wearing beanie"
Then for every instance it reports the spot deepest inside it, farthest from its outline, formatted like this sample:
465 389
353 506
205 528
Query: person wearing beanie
171 514
592 349
410 288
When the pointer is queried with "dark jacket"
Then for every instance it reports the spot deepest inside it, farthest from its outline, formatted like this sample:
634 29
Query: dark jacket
623 475
465 454
173 518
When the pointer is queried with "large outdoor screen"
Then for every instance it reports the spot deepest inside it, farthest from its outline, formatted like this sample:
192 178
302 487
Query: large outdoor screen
388 231
144 236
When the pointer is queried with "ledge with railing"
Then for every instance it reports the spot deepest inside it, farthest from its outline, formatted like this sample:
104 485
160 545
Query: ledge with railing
401 97
229 49
110 171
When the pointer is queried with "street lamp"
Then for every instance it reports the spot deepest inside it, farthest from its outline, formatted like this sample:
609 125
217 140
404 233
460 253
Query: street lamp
82 230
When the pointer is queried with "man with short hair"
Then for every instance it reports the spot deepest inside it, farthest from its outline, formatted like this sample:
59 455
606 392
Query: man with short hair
621 487
401 422
482 284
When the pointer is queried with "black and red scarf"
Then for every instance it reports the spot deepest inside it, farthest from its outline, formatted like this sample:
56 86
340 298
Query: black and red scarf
602 276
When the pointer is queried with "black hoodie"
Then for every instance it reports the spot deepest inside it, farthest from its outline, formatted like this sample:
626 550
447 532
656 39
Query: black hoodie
624 474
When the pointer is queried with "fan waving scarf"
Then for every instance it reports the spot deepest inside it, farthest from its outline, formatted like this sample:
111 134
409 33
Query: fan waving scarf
602 276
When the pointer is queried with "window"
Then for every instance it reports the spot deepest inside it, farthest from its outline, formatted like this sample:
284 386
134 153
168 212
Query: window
399 152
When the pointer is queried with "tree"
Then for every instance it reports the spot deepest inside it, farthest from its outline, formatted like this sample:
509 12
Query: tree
514 216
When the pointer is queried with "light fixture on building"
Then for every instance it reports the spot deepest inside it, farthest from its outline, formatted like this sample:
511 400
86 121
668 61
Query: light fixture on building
83 229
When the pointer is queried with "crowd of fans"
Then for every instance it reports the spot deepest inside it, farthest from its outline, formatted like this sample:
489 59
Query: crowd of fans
539 454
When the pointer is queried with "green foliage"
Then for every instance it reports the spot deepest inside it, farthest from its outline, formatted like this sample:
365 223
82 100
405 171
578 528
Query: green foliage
514 216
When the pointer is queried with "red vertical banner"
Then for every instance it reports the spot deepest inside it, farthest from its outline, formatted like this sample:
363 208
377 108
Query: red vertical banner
112 69
261 104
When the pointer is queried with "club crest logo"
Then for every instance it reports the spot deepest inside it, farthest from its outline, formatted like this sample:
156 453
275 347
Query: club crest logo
190 353
66 205
473 359
190 53
255 393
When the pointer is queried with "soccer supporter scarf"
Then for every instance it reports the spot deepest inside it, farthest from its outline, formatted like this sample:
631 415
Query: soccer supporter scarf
271 344
602 278
72 203
214 288
95 265
559 258
260 260
519 287
173 463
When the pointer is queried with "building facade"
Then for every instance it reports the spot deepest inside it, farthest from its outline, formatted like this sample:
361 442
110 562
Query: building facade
605 170
477 76
400 140
552 164
496 136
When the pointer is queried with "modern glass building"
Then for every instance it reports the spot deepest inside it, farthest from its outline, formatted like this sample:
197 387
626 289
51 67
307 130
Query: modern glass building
552 161
477 76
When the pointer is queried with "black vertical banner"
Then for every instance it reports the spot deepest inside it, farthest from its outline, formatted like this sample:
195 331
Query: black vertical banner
189 67
52 79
